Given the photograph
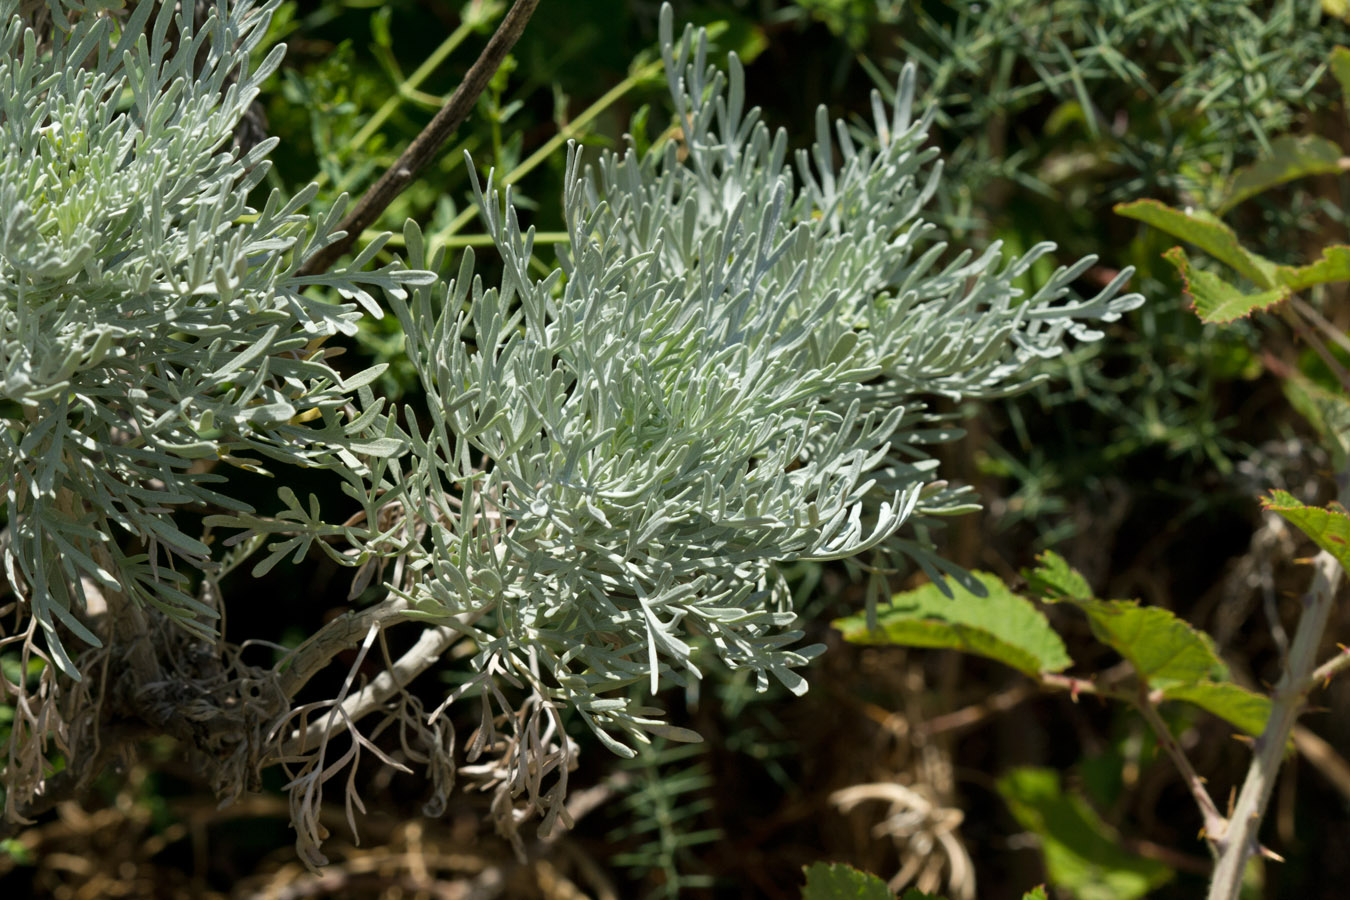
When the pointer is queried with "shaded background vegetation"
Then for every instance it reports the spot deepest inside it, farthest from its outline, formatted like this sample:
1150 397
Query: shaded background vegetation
1140 459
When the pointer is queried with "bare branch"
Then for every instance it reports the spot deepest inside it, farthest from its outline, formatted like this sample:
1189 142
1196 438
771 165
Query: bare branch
426 145
343 633
420 657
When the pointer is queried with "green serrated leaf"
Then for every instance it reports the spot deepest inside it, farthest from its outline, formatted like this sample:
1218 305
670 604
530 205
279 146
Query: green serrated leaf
1290 157
836 881
1055 579
1036 893
1217 301
1329 528
1163 649
1245 710
1205 231
1082 853
1001 625
1333 266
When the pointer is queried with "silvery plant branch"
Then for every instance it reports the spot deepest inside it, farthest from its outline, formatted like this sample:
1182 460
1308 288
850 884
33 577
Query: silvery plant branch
154 337
732 369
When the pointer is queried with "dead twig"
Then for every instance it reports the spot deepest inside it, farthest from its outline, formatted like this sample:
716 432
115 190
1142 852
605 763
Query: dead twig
426 145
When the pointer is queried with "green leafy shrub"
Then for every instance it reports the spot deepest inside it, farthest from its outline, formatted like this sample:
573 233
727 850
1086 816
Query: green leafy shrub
1165 659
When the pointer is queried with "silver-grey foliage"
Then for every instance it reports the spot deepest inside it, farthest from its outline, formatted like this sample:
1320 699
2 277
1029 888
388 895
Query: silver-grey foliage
733 370
144 325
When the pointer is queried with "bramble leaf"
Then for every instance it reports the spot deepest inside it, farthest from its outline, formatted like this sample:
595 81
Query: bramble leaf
1291 157
1163 649
1205 231
1001 626
1055 579
1082 853
1217 301
1329 528
836 881
1245 710
1333 266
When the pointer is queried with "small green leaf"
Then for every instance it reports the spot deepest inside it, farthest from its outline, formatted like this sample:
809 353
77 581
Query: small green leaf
1245 710
1036 893
1329 528
16 851
1082 853
1001 625
1291 157
1055 579
836 881
1205 231
1216 301
1163 649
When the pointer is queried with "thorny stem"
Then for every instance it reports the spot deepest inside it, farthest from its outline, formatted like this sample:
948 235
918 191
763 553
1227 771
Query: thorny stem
1324 673
1239 840
1214 822
1309 312
426 145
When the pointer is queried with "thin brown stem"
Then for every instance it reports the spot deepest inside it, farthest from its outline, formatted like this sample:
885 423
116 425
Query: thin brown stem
976 713
426 145
1214 822
1319 346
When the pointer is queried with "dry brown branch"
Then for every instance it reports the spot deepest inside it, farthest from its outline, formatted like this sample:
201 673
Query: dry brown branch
433 642
425 146
343 633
